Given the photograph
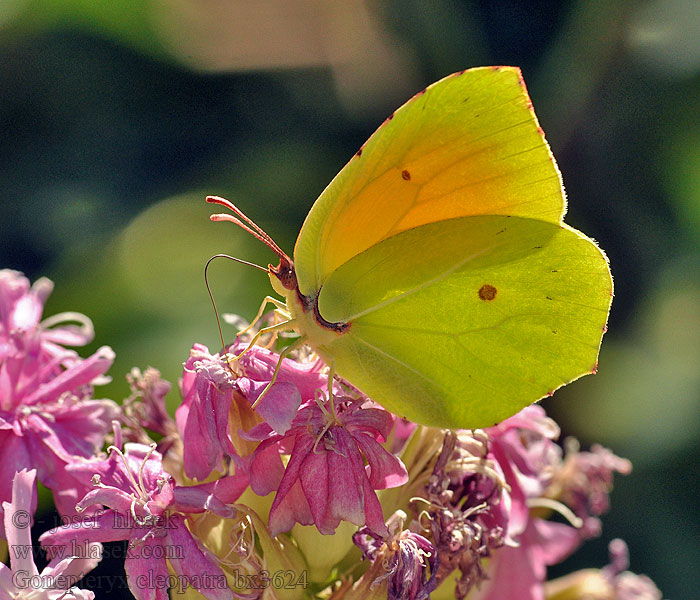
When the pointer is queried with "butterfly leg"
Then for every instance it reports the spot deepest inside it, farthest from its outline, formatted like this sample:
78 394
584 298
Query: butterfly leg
288 350
278 304
287 325
331 400
280 316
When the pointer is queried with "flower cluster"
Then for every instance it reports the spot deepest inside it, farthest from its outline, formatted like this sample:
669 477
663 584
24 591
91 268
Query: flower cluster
274 480
48 415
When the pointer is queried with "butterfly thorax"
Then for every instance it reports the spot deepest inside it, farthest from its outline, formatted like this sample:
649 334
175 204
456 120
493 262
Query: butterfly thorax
303 310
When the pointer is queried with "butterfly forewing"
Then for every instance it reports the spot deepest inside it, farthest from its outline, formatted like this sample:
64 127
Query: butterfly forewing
468 145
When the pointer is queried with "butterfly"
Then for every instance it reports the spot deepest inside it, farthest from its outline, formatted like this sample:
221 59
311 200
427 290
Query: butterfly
435 273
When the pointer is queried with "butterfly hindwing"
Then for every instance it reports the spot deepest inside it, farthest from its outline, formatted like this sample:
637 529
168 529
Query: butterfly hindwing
463 322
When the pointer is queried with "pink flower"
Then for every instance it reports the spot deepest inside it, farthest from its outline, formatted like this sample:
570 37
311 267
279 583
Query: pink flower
407 561
22 579
258 364
613 582
144 410
584 481
523 449
325 480
518 572
483 495
146 508
468 508
203 417
403 429
627 585
213 390
47 414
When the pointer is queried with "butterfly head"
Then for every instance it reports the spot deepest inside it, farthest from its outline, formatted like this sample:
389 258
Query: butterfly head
283 276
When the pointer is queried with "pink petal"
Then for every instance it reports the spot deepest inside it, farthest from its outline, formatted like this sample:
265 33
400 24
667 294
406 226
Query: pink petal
200 456
551 542
292 508
80 374
74 568
385 469
14 457
531 417
87 419
41 289
259 364
266 468
511 577
203 418
148 579
316 481
221 403
19 531
26 313
7 582
257 433
109 496
68 335
279 405
371 420
212 496
58 329
285 511
13 285
372 510
520 513
52 468
519 572
196 567
187 386
374 517
105 527
76 429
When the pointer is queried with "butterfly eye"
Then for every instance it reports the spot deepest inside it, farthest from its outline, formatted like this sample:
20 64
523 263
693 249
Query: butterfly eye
285 273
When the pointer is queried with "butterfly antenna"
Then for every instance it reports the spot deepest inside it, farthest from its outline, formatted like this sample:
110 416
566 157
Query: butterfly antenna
211 295
245 222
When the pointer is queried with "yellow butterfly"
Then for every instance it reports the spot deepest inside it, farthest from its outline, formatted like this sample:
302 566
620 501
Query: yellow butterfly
435 272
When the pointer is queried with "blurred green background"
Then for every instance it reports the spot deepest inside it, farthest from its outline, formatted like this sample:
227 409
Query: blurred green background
117 118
